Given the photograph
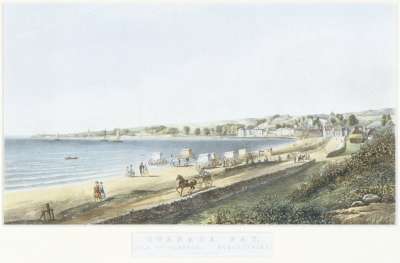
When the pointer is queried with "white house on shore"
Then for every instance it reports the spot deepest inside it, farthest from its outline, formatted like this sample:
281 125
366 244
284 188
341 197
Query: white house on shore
255 132
331 131
283 132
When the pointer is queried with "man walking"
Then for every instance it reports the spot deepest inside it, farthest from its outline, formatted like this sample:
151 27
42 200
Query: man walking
141 168
102 191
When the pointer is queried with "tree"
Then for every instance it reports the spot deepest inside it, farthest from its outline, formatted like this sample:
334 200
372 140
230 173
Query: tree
172 131
197 131
260 121
333 120
219 129
389 118
186 130
352 120
339 117
317 122
386 119
155 129
206 131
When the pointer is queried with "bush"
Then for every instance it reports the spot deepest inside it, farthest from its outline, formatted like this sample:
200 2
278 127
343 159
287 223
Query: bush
373 167
272 211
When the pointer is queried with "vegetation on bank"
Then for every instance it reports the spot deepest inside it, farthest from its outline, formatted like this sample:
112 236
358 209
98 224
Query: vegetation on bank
272 210
338 185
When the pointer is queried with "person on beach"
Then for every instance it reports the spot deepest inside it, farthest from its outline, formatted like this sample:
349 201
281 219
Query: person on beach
102 192
96 191
144 168
131 171
128 173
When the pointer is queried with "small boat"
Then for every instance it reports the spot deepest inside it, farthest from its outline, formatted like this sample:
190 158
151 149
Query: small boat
57 137
71 158
117 137
105 137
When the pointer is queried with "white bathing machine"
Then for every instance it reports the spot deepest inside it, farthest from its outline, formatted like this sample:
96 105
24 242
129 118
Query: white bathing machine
157 159
184 158
186 153
231 158
231 155
242 154
207 160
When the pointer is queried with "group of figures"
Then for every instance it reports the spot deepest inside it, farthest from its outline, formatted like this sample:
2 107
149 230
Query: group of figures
301 157
179 162
99 192
143 170
47 213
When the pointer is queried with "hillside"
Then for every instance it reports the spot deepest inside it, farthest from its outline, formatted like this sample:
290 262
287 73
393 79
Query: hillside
355 188
230 127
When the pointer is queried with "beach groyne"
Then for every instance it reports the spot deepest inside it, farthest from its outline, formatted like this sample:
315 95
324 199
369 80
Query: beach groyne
173 212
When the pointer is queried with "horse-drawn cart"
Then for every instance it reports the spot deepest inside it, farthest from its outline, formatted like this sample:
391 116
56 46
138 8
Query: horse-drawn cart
204 178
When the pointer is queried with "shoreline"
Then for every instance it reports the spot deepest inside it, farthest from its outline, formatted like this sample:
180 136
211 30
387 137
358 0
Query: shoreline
24 204
286 142
153 137
285 147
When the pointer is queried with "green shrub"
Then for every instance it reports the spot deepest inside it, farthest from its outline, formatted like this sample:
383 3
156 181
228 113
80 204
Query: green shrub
372 167
272 211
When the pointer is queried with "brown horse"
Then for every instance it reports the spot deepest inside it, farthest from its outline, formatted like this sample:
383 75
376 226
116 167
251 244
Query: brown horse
182 183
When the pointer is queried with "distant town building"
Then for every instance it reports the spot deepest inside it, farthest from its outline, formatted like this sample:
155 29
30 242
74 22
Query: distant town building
282 132
308 123
255 132
332 132
329 130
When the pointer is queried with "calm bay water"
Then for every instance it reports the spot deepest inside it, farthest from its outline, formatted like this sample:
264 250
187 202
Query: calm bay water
34 162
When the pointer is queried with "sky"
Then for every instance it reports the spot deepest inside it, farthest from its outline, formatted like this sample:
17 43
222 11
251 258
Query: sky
73 67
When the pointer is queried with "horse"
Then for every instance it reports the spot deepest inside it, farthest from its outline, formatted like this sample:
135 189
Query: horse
182 183
301 157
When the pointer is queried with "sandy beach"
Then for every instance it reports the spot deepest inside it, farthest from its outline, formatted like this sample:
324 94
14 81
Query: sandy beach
137 191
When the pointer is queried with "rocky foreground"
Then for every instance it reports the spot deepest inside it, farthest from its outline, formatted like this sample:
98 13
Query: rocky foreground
375 213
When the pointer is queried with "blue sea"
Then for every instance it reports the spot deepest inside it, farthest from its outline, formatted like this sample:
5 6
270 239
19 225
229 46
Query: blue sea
33 163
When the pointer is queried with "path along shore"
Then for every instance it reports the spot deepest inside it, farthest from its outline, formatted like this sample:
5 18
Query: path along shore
74 204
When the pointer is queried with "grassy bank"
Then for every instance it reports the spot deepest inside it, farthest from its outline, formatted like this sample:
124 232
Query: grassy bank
280 188
311 196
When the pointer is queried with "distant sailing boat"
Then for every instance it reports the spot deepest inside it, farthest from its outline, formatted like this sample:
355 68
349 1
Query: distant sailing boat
117 137
105 136
57 137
